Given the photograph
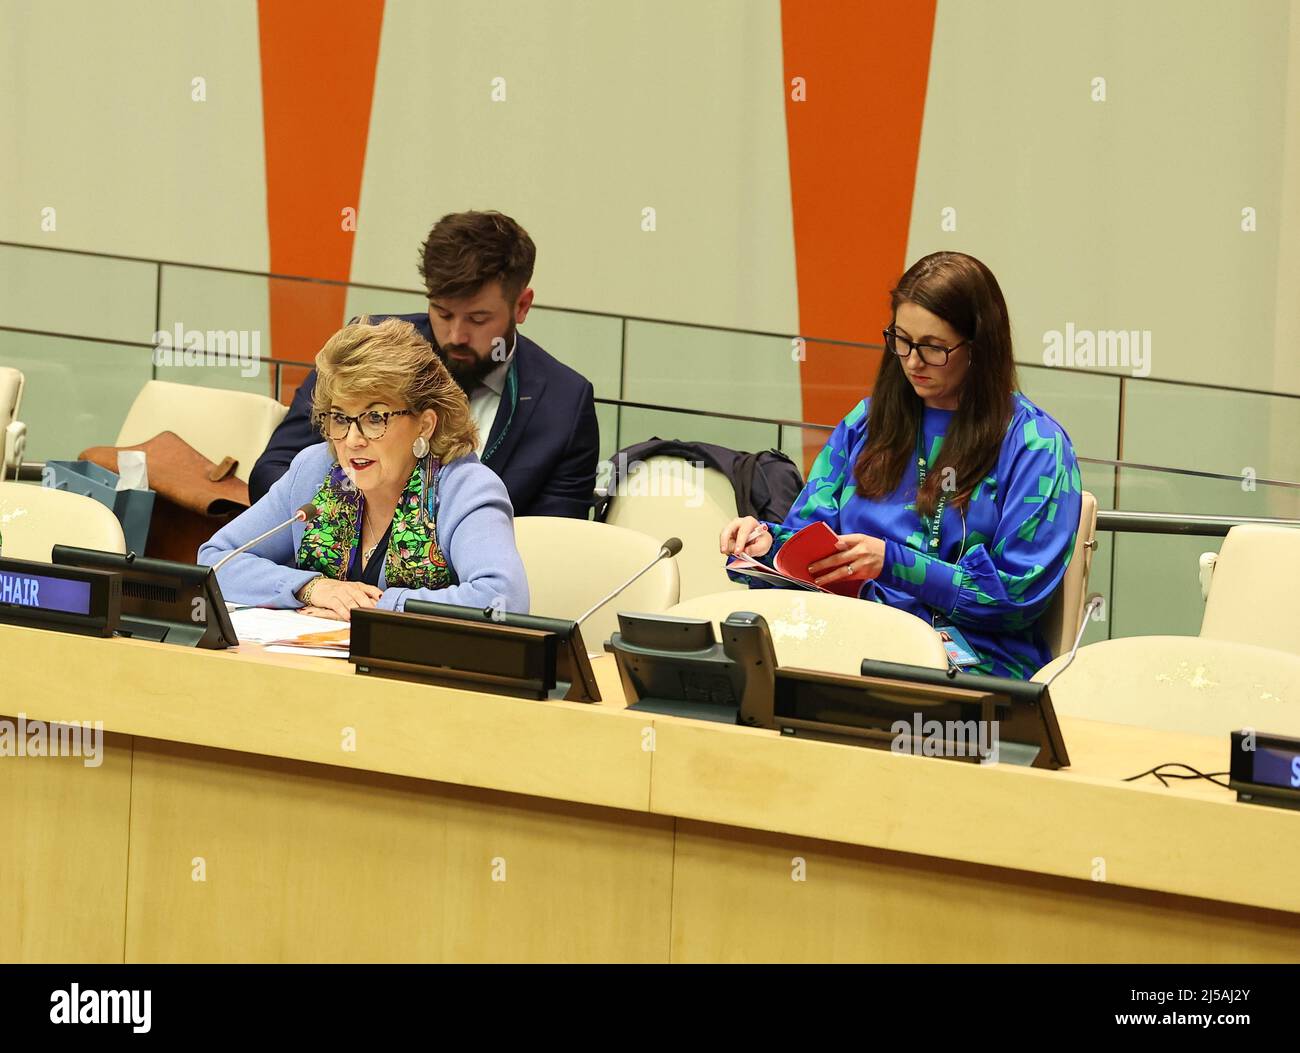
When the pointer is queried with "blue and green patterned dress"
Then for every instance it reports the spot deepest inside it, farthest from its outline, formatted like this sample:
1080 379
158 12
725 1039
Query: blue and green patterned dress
995 568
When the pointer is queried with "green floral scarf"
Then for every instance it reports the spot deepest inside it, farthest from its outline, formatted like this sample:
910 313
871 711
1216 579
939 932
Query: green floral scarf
414 561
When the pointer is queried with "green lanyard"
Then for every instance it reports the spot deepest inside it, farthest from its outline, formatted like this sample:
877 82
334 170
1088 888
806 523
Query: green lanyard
512 393
920 482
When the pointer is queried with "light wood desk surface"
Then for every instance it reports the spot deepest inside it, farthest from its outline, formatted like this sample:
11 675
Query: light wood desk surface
717 803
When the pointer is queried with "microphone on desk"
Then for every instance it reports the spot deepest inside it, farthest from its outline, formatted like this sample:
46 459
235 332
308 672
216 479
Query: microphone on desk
305 514
1094 601
667 550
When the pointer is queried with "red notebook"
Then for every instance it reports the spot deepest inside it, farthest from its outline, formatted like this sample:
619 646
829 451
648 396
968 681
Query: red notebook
815 541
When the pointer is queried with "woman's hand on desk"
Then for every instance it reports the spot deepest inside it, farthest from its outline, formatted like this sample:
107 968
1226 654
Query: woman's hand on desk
861 557
319 612
745 534
336 599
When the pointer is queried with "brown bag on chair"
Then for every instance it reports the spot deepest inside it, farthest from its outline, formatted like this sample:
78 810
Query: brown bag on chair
195 497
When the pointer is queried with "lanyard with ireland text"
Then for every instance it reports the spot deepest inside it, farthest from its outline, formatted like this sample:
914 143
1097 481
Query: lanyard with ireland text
921 466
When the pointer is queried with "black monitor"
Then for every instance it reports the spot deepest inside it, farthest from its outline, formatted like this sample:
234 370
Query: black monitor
912 709
1265 769
453 652
67 599
574 680
676 666
175 603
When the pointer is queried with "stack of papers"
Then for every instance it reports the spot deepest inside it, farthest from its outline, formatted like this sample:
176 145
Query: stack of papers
288 632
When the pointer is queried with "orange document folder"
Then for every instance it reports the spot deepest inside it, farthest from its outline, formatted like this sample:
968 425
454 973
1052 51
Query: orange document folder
815 541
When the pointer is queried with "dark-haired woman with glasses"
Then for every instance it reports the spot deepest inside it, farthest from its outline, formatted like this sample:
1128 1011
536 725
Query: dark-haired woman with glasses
954 497
404 508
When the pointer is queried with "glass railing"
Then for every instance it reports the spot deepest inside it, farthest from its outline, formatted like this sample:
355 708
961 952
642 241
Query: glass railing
82 327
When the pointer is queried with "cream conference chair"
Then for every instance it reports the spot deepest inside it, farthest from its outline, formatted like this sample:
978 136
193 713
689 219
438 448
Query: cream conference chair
1060 622
832 634
1254 588
215 422
573 563
1180 683
669 496
33 519
13 433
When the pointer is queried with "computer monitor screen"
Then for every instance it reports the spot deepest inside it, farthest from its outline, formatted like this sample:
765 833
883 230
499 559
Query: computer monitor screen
176 603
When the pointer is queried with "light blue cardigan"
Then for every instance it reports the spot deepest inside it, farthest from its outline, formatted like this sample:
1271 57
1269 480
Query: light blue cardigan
475 532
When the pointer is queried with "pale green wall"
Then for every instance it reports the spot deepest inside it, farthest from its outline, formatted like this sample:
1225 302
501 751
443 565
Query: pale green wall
1122 214
374 301
1088 408
206 301
87 296
591 344
641 424
702 369
96 120
610 108
1210 431
77 393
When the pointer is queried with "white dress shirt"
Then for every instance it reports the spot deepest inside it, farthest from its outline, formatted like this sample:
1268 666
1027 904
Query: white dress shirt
485 400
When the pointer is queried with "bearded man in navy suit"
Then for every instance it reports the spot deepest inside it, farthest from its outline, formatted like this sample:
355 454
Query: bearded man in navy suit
536 416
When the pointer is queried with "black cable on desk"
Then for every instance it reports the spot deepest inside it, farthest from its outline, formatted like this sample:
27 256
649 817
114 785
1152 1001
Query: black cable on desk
1196 774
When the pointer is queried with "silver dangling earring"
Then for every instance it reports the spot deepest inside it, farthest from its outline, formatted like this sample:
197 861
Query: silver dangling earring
420 448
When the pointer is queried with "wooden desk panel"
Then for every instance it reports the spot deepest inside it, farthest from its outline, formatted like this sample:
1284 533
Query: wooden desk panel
64 829
304 862
1064 824
736 899
612 850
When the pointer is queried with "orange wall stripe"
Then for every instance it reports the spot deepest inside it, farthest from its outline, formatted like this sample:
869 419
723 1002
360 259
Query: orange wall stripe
853 147
318 79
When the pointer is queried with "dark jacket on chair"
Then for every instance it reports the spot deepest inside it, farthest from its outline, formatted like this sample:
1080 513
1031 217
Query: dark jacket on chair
544 441
766 483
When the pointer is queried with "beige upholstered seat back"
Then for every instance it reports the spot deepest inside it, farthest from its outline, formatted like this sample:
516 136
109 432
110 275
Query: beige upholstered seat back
669 497
1178 683
215 422
814 630
572 563
1060 622
1254 593
33 519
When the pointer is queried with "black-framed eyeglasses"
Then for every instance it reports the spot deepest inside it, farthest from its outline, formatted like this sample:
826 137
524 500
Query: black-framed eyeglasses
372 424
931 354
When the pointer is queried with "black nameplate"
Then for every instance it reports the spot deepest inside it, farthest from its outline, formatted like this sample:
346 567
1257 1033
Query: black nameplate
67 599
1265 769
